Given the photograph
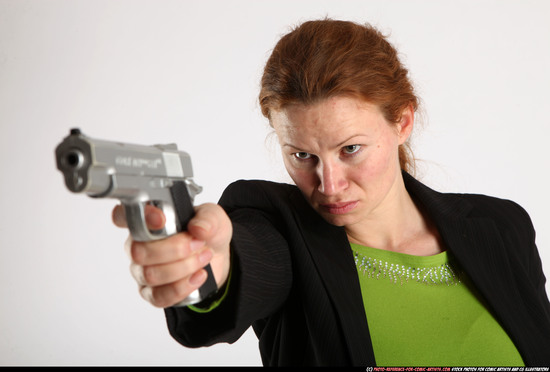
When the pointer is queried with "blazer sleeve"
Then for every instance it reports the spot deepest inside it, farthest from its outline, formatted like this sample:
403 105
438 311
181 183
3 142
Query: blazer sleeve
261 274
532 260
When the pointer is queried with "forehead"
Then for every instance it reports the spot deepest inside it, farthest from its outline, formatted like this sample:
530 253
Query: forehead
331 118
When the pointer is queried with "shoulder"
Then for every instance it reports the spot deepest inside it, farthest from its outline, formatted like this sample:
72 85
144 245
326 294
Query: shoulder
510 218
261 186
441 205
258 194
503 211
506 214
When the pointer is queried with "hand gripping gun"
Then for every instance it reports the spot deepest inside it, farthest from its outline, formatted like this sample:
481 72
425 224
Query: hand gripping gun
136 175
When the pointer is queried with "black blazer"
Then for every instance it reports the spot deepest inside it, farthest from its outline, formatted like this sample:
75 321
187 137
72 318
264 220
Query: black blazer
294 277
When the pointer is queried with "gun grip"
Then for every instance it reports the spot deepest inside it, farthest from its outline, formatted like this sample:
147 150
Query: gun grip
184 212
180 209
182 204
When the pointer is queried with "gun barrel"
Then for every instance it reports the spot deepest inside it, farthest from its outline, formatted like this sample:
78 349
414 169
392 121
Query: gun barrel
74 159
92 166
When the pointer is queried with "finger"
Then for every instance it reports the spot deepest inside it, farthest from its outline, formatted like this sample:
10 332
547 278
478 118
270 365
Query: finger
173 293
206 222
157 275
119 216
154 217
128 246
174 248
137 274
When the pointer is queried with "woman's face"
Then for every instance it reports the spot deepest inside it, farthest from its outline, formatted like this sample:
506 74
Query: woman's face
343 155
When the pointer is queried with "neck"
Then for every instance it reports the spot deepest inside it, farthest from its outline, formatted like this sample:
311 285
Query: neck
397 225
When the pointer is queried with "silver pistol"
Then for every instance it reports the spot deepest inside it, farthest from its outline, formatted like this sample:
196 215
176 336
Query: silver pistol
136 175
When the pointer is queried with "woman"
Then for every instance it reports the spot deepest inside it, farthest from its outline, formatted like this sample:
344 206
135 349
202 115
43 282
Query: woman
358 263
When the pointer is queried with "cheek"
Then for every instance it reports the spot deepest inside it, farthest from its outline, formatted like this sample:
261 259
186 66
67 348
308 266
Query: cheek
303 179
379 162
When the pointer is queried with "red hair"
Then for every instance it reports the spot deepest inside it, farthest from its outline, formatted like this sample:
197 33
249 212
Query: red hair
327 58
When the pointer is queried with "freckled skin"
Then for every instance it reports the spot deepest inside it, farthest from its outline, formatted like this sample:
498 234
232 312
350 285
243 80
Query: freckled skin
331 175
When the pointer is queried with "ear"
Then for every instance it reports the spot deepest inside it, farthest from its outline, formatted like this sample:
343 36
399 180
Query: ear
406 124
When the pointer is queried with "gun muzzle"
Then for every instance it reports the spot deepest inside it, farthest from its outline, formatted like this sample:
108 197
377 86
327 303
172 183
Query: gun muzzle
74 157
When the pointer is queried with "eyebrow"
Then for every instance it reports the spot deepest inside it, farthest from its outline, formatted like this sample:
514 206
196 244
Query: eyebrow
347 140
338 145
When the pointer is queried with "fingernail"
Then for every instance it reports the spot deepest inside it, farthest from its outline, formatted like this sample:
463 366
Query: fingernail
195 245
198 278
147 293
202 224
128 246
137 273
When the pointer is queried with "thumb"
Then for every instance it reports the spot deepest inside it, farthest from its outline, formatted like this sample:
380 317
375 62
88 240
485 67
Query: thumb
210 224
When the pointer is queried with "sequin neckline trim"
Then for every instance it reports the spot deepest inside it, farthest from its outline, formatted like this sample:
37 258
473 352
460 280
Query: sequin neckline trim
401 272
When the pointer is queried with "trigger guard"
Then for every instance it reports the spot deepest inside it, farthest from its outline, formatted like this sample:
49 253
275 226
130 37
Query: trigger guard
135 217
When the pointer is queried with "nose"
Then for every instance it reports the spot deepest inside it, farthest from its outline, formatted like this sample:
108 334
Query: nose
332 179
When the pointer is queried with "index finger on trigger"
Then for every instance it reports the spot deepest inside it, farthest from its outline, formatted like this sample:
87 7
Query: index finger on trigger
119 216
154 217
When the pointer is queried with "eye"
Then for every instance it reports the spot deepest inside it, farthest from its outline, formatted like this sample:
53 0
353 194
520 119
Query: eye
351 149
302 155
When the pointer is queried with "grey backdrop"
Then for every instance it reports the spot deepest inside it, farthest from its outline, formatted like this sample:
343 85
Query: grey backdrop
187 72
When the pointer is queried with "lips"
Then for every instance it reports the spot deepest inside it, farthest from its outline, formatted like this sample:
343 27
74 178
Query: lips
339 208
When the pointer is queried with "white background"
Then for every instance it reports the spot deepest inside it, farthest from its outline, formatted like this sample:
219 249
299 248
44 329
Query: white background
188 72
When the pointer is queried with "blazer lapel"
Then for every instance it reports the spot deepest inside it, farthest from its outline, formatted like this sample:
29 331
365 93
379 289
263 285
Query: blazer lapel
475 242
480 249
331 253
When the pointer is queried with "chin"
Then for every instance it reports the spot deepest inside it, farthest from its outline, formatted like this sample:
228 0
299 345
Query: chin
336 220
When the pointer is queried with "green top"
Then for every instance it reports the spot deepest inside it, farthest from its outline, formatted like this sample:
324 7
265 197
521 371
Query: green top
422 312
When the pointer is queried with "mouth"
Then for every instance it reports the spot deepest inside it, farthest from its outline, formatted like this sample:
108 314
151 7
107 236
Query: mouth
338 208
